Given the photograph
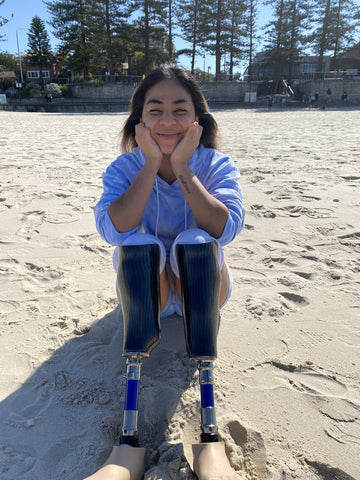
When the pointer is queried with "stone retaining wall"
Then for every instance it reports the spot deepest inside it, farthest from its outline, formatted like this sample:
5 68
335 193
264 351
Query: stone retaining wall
213 91
337 86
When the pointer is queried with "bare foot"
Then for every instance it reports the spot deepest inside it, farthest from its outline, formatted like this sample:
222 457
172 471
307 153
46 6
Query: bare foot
211 462
123 463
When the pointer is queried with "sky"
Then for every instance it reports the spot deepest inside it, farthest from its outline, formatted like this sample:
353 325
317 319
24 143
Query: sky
23 11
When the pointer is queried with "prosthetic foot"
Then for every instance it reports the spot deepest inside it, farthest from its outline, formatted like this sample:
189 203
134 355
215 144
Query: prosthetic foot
200 281
138 282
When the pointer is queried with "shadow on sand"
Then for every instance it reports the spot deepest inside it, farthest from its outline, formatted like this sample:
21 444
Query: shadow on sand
62 422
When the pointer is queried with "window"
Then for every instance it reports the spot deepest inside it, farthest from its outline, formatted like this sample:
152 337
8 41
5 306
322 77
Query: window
36 74
33 74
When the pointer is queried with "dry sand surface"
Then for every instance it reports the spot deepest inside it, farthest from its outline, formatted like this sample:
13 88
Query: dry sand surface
288 372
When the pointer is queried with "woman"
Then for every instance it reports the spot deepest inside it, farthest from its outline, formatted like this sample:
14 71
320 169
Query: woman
170 187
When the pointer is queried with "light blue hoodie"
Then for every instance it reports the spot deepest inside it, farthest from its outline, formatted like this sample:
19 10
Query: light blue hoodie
167 213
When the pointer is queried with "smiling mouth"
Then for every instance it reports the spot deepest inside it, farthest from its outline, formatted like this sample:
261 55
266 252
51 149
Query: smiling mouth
168 135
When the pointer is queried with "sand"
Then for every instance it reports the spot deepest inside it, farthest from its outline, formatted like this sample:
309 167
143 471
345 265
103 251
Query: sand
288 371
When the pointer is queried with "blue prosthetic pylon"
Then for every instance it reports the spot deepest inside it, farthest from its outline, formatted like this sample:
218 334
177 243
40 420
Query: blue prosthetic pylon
138 281
200 281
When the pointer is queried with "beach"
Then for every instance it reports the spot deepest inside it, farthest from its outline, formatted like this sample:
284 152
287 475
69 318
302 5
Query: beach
287 376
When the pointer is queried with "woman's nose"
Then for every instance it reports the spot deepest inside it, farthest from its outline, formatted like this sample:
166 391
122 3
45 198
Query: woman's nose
167 118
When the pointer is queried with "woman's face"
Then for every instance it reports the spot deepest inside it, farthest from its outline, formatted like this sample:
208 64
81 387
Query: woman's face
168 112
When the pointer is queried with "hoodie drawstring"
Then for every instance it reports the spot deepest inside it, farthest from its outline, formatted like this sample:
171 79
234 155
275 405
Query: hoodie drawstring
157 207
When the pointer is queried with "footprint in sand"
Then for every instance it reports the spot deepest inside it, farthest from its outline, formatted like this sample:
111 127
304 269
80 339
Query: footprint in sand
30 415
260 307
314 383
34 217
244 276
41 276
261 211
85 459
298 210
260 351
16 460
61 217
31 220
344 432
8 306
274 260
295 299
351 240
290 282
342 419
245 448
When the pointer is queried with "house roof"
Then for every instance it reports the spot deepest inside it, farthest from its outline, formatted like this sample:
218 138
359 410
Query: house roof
7 75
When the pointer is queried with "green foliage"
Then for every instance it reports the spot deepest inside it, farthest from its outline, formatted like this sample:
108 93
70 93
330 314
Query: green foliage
33 92
287 34
98 36
7 61
335 23
70 24
191 20
32 85
39 44
65 91
5 84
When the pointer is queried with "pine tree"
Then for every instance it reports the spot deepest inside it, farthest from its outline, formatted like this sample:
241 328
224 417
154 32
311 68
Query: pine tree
189 14
299 14
236 33
216 31
109 31
149 31
322 36
170 25
39 44
70 20
336 25
286 35
250 32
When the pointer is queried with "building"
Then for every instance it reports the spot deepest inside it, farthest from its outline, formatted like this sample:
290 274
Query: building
35 72
349 61
263 67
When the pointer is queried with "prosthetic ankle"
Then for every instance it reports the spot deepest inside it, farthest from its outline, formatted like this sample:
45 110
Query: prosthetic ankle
198 267
138 282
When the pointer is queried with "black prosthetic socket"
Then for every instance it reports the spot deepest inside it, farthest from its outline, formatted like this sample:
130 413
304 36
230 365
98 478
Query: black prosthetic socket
200 282
138 282
139 285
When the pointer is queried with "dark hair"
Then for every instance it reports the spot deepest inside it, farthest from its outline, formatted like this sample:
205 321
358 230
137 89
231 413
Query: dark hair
187 81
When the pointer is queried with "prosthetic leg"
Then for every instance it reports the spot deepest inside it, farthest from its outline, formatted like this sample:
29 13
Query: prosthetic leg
138 282
200 281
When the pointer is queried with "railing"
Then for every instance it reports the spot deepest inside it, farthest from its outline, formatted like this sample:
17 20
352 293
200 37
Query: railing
97 79
303 77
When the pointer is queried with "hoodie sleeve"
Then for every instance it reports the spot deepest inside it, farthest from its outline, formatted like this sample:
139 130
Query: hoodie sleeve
116 180
222 181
